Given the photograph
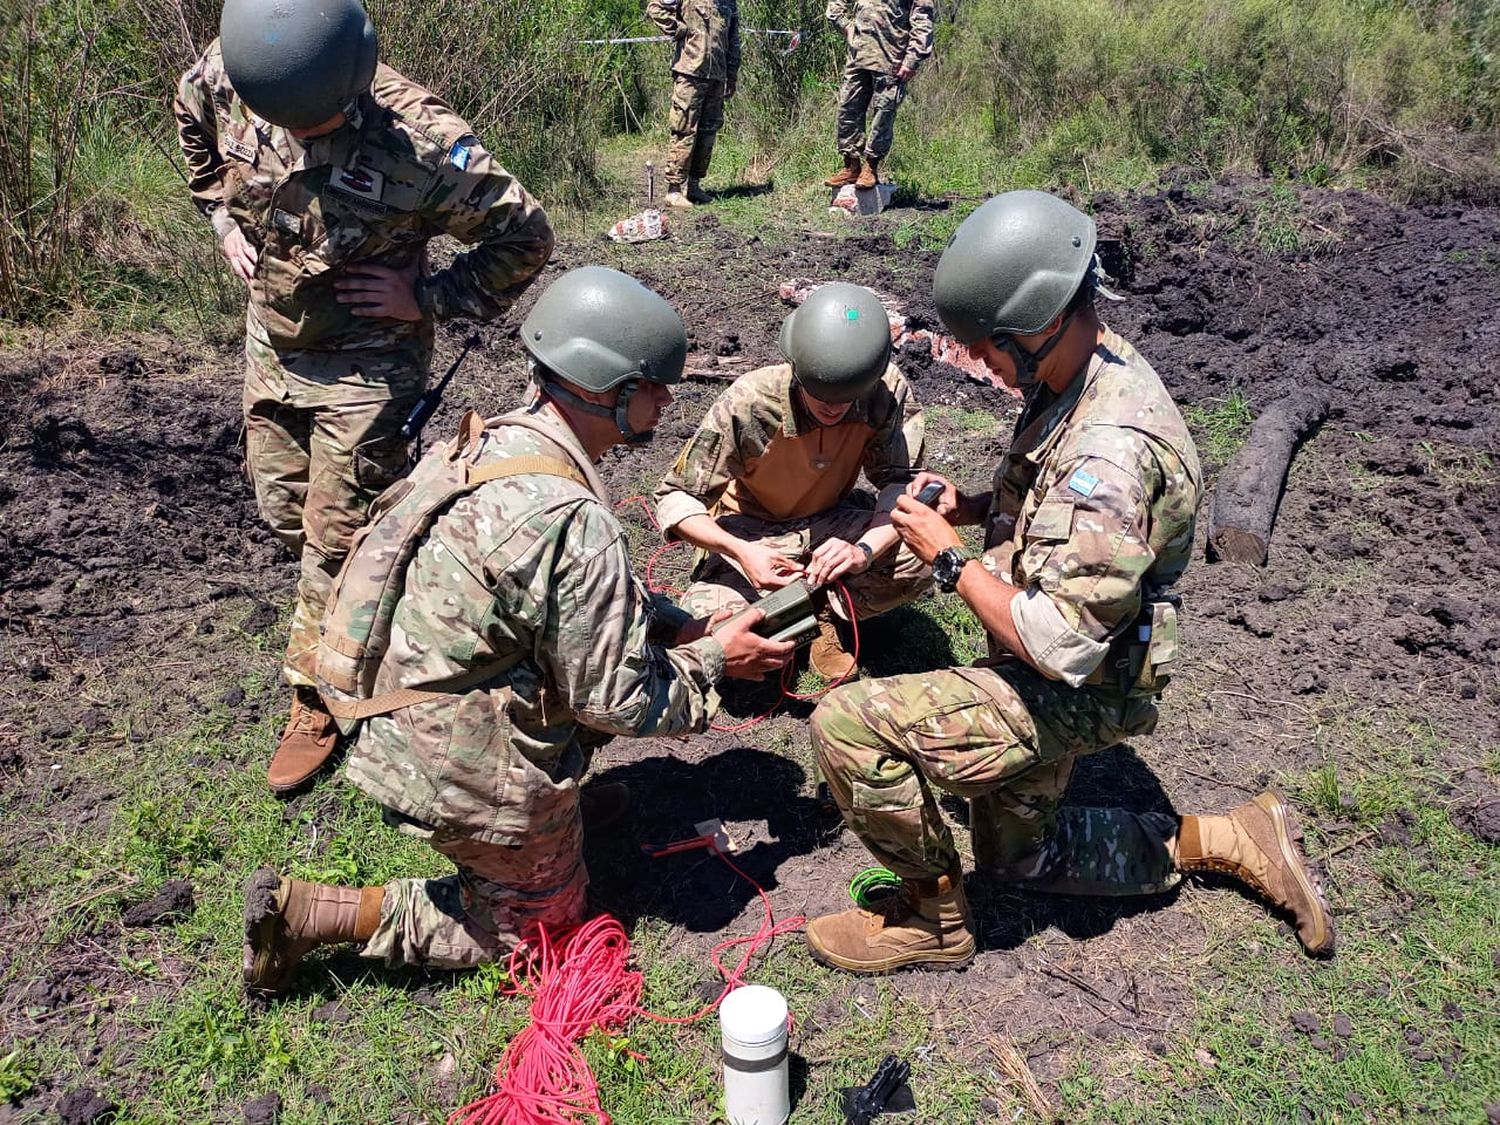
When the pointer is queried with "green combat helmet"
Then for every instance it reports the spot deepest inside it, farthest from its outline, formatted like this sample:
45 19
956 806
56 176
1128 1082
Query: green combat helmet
599 328
297 64
838 342
1011 268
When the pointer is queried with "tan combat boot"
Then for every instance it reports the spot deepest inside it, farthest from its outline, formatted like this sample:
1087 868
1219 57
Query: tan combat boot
696 194
846 175
926 924
285 919
870 176
1253 843
306 745
676 197
828 656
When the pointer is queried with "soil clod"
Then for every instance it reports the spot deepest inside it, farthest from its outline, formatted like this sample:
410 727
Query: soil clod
170 904
264 1110
85 1107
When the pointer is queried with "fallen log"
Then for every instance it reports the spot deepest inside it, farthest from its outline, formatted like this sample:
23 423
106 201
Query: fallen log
1249 489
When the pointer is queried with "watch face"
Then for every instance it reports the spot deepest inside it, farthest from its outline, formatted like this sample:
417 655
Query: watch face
947 566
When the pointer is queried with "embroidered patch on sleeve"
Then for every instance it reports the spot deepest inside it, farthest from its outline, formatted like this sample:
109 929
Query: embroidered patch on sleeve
1083 482
462 152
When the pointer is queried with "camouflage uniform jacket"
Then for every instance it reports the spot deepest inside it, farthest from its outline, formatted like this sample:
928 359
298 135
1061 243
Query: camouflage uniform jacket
404 169
1093 510
705 34
884 35
530 573
754 438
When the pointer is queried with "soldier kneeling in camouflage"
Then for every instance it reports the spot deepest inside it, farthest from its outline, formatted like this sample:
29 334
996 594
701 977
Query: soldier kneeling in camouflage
488 634
766 487
1089 525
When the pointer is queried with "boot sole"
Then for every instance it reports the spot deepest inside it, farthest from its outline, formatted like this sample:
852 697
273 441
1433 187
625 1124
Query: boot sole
262 918
959 958
1282 820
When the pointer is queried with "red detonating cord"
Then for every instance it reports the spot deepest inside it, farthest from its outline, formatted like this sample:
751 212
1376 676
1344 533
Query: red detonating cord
577 984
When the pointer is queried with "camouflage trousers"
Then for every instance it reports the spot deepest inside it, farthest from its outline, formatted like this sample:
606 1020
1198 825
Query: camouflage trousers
695 119
322 440
880 95
499 894
895 578
1007 739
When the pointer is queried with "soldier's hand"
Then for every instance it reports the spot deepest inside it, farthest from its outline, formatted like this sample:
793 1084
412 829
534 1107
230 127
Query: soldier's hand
903 75
729 89
380 291
748 655
922 529
947 504
241 254
835 558
701 626
767 569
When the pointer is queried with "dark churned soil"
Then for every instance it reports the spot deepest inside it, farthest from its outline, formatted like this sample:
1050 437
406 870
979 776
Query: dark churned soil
128 537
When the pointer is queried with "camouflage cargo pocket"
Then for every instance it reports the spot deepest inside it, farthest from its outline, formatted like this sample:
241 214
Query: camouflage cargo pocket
381 462
1160 651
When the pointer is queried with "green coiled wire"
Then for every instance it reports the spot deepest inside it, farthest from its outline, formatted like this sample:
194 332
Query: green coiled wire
872 885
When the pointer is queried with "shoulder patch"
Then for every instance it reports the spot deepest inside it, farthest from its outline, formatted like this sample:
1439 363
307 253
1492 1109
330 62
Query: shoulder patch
463 151
1083 482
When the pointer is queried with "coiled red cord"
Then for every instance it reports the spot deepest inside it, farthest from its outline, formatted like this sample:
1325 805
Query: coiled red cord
577 984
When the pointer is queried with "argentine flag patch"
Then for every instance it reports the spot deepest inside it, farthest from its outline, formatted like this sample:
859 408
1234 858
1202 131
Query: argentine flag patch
462 152
1083 482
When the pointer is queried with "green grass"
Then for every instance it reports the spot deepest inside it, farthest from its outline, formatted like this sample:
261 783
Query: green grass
1221 427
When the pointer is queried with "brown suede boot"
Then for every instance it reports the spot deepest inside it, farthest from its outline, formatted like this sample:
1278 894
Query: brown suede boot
828 656
870 176
306 745
1253 843
846 175
676 197
604 806
926 925
285 919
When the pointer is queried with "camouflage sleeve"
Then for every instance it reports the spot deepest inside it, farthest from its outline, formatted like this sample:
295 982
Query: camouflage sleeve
837 14
732 56
482 205
704 468
667 619
666 14
1083 556
596 645
919 45
896 450
198 134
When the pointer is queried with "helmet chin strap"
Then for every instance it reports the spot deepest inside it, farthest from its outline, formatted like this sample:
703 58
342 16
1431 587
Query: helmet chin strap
1029 363
619 412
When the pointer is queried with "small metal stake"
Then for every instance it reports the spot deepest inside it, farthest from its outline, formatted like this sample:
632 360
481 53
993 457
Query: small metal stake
650 184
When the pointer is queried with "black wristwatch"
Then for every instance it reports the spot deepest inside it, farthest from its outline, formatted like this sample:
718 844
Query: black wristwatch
947 565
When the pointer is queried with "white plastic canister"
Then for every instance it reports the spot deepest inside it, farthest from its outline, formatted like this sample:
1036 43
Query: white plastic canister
752 1027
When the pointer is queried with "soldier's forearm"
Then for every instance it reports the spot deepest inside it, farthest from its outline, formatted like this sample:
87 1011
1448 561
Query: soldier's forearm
487 280
704 532
990 600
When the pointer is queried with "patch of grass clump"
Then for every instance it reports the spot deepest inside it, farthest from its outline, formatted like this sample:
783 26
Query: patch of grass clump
1220 427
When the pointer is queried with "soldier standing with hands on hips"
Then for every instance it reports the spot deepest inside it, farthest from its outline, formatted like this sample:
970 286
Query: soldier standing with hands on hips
325 174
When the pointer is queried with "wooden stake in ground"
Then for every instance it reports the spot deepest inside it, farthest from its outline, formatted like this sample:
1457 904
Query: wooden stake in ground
1012 1064
1249 489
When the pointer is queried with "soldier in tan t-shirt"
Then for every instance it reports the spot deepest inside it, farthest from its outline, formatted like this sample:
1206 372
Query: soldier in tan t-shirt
766 487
